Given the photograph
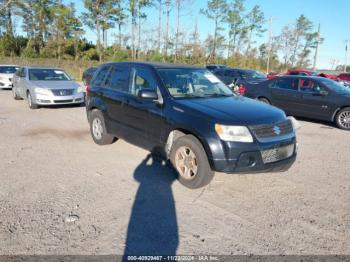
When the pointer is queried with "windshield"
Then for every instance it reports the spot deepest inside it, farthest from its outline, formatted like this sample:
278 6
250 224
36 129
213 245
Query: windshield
335 86
8 69
188 82
39 74
254 75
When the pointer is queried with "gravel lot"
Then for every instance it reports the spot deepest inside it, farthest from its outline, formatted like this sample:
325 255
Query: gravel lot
62 194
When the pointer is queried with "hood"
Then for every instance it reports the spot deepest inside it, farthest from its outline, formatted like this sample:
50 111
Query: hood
6 76
256 80
236 110
55 84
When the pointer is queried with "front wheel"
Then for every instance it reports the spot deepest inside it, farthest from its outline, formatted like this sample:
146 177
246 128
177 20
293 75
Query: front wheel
343 118
264 100
98 129
188 157
14 94
31 104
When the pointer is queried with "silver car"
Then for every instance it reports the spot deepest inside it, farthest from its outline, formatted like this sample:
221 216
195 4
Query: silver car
42 86
6 75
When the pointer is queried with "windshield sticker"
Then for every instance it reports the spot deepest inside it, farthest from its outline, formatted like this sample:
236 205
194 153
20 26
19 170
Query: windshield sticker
213 79
59 72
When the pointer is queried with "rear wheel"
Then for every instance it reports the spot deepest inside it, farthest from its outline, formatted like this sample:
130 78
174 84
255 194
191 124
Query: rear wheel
264 100
188 157
31 104
343 118
98 129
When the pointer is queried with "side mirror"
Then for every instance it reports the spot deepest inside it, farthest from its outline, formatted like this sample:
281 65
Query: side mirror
148 94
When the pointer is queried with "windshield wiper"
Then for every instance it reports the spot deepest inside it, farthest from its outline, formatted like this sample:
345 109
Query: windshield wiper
216 94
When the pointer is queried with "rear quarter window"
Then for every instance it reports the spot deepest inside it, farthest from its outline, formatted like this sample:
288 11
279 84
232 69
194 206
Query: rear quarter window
99 77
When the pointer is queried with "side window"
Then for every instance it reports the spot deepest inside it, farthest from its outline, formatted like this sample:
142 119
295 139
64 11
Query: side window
141 78
231 73
309 86
18 72
99 77
288 84
23 72
272 83
220 72
118 78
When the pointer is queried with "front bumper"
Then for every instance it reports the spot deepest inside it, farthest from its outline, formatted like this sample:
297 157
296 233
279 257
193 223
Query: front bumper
248 158
76 98
5 84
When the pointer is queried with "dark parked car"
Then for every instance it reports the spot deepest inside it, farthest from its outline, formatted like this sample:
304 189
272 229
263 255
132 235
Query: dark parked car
189 116
307 96
88 74
239 79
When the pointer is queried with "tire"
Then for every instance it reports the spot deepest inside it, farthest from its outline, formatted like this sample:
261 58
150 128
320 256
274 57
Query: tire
98 129
14 94
31 104
264 100
342 118
200 173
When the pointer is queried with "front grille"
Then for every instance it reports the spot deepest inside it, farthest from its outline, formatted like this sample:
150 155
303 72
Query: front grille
62 92
63 101
272 130
277 154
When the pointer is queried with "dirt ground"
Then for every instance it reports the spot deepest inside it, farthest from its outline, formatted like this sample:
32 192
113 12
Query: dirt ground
62 194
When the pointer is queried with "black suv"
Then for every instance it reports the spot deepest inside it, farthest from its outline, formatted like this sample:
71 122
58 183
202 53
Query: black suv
307 96
189 116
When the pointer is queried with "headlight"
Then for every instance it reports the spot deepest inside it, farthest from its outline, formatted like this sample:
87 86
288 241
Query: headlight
80 89
295 123
42 91
234 133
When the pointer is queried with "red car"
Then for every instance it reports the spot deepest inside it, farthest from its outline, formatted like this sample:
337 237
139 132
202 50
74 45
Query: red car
344 76
301 72
272 75
329 76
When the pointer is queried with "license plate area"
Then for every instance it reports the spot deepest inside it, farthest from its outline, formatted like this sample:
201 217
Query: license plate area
277 154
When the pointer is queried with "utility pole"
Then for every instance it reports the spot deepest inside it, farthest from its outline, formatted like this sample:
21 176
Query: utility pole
317 44
346 55
269 49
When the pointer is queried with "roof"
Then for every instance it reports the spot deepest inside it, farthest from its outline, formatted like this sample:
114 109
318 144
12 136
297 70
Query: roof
314 77
10 65
157 64
42 67
300 70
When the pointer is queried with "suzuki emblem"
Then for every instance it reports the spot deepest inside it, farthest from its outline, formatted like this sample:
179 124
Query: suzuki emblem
277 130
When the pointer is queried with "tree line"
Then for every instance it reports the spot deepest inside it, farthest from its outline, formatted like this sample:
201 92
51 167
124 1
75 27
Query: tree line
52 29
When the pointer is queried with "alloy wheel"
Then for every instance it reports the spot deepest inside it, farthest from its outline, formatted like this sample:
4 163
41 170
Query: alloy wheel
186 163
97 128
344 119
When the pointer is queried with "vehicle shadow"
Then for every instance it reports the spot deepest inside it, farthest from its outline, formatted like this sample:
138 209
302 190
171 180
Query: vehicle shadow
325 124
152 228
